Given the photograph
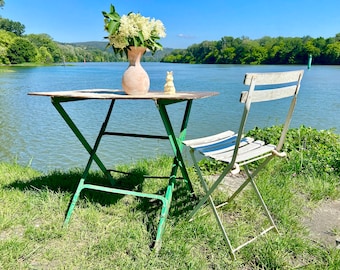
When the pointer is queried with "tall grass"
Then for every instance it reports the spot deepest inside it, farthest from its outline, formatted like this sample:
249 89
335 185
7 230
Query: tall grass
108 231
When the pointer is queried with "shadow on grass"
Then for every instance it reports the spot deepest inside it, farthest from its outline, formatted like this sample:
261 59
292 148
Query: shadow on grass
67 182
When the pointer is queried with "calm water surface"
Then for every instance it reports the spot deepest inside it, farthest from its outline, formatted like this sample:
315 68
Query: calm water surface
32 132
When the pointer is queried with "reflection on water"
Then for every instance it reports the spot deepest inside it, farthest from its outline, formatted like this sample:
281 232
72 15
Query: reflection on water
31 129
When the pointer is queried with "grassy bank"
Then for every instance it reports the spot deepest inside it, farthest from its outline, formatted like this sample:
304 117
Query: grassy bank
115 232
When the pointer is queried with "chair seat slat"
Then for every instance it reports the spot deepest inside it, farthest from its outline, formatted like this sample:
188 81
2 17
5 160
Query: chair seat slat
256 152
245 152
226 148
200 142
222 147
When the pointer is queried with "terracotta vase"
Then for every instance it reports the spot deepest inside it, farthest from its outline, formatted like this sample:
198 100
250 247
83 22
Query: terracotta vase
135 80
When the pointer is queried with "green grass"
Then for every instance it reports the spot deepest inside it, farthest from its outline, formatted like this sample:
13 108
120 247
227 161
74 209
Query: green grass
108 231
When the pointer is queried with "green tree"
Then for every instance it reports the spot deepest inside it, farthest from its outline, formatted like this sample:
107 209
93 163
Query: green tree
44 40
333 53
2 3
252 53
12 26
337 37
310 48
6 39
226 56
21 51
44 56
68 53
211 57
288 51
225 42
200 51
178 56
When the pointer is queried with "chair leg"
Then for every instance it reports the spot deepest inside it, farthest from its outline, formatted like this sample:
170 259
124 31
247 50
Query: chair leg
264 206
204 185
207 197
219 221
212 205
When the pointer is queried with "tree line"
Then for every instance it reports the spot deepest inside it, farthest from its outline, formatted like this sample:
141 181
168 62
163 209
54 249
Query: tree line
266 50
17 48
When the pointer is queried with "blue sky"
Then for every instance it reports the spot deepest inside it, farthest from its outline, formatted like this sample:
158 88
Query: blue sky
187 21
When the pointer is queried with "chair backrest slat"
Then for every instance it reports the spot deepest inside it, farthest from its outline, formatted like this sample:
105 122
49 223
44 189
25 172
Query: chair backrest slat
267 87
269 94
273 77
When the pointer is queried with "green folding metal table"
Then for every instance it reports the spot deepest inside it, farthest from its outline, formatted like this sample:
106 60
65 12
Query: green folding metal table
161 100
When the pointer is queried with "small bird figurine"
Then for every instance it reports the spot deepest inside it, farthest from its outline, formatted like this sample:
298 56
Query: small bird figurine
169 87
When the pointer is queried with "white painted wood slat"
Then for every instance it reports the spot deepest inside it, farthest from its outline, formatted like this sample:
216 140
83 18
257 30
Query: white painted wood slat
200 142
224 147
273 77
272 94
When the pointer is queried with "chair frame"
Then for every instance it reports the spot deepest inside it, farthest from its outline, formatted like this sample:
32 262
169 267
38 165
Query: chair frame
283 85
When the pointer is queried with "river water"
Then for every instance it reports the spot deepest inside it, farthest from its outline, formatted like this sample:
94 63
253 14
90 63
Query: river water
32 132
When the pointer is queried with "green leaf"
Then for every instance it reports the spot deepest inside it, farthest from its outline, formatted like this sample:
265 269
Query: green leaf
112 9
113 27
141 37
135 42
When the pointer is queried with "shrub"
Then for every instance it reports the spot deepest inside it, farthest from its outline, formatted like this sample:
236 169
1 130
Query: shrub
310 152
21 51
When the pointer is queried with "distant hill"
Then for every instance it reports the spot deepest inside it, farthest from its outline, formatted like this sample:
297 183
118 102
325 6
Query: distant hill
101 45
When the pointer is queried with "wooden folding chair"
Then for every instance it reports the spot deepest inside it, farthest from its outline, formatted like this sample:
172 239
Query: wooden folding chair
235 150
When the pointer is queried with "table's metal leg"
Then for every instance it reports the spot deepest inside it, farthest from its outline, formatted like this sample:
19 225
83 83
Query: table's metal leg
176 144
164 215
80 136
92 152
73 202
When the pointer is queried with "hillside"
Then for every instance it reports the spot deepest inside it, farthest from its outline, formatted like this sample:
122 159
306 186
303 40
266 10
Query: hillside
101 45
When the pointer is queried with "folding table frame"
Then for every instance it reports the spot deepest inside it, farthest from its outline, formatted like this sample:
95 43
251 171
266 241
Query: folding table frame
161 101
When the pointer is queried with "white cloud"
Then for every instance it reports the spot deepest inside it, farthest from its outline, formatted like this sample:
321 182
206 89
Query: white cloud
185 36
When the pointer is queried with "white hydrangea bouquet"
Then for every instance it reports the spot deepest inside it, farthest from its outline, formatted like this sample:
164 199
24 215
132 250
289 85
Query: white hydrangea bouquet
132 29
